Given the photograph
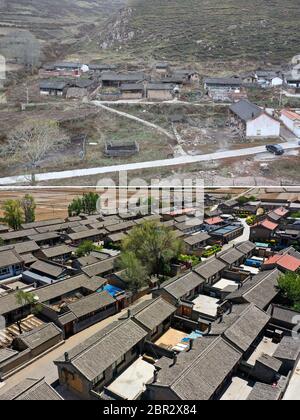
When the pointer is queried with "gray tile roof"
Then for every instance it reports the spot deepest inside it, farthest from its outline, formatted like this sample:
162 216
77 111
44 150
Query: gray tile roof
183 285
195 239
6 354
223 81
288 349
230 256
210 268
260 290
42 223
116 237
264 392
246 247
242 326
31 390
8 258
57 251
91 303
48 269
153 313
86 234
99 352
41 237
19 234
270 362
8 302
245 110
26 247
198 373
100 267
123 226
40 335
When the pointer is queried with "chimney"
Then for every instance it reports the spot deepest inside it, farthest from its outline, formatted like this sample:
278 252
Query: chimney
67 357
155 376
191 344
230 308
221 319
209 329
174 359
129 313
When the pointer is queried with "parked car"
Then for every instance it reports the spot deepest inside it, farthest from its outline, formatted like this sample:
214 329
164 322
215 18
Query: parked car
277 149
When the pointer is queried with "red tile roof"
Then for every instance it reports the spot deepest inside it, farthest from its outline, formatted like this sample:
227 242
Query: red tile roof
285 261
291 114
281 211
214 221
269 225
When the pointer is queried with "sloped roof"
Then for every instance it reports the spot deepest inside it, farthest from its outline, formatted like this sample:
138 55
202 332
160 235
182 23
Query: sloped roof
153 313
245 110
199 237
31 389
52 270
288 262
264 392
294 116
57 250
210 268
198 373
288 349
230 256
91 303
260 290
246 247
100 267
40 335
8 258
180 286
95 355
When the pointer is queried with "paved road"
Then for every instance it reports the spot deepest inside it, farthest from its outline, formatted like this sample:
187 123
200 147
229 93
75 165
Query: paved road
50 176
44 367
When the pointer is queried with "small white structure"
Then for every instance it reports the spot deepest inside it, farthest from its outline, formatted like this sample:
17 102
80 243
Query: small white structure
277 81
253 120
291 120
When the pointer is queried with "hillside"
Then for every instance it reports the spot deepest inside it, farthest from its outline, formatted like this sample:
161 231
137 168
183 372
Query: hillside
193 30
56 21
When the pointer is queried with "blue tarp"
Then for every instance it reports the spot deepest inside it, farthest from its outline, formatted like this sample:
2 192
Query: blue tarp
112 290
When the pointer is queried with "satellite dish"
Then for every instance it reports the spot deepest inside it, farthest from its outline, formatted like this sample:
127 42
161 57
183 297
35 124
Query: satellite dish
85 68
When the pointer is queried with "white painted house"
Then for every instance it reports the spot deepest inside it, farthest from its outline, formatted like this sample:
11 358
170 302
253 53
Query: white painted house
253 120
291 120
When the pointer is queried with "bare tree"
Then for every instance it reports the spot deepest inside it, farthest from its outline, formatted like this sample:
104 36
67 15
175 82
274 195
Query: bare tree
32 141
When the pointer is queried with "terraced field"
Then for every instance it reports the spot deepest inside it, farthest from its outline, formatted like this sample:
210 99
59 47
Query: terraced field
193 30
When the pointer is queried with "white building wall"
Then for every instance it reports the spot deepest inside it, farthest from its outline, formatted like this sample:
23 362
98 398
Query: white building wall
291 125
263 126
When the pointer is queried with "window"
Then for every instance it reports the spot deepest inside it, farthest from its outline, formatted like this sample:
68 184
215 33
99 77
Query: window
258 132
4 271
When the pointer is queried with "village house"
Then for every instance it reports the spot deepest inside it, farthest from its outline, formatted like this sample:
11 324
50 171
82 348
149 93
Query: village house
260 290
45 272
113 79
227 233
263 231
11 264
93 364
211 271
17 236
283 263
60 253
247 248
195 244
195 374
29 345
101 268
132 91
292 81
253 121
189 225
94 235
31 390
291 119
223 83
160 91
53 87
232 257
162 69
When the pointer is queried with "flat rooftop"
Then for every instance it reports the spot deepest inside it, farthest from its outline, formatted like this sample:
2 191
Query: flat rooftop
239 389
171 338
206 305
252 270
266 346
131 384
223 283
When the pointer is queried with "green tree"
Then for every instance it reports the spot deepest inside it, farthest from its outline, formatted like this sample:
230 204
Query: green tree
289 284
76 207
28 205
89 202
27 299
85 248
154 245
13 214
135 273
